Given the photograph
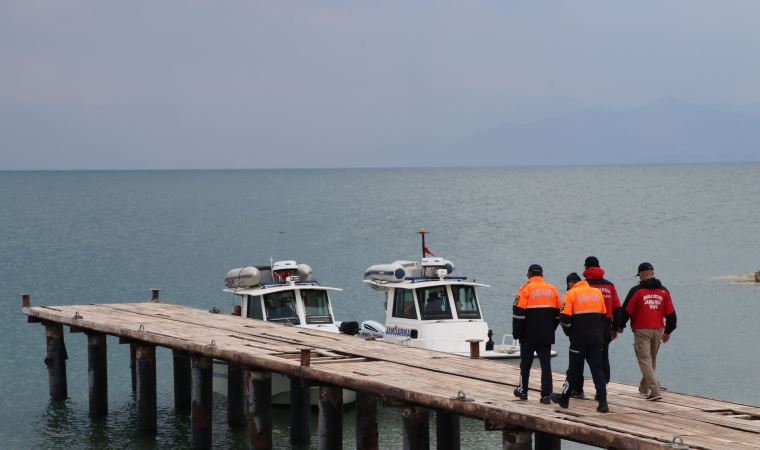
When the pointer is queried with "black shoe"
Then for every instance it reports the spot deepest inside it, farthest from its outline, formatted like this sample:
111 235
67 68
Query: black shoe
563 400
654 398
546 400
578 395
520 395
603 407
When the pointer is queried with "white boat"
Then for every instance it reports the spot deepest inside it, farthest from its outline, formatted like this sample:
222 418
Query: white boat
428 307
284 292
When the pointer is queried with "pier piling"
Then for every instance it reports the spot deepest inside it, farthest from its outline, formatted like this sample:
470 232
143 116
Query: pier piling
330 426
366 421
236 399
260 409
200 417
416 422
300 402
133 366
182 381
447 430
517 439
56 361
97 372
145 381
547 441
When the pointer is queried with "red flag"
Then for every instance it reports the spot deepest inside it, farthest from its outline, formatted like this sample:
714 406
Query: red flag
427 251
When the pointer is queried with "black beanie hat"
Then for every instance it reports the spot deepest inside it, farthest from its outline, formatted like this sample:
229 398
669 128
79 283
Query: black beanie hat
591 261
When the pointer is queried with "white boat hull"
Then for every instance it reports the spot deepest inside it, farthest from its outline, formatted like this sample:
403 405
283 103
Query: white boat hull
280 387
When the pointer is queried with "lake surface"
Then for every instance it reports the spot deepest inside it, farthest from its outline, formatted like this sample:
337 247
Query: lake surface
98 237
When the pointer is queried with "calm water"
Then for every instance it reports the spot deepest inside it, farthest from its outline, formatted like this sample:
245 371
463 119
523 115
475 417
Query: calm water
73 237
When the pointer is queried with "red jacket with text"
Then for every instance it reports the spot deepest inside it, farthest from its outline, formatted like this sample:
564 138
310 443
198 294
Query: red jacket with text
648 305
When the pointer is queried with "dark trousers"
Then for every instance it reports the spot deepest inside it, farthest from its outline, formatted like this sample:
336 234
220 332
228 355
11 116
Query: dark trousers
605 368
544 353
591 354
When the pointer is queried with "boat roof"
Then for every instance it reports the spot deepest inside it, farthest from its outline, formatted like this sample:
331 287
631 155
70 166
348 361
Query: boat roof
422 282
270 288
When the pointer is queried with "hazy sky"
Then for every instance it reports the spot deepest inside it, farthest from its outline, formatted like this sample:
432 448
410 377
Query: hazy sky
191 84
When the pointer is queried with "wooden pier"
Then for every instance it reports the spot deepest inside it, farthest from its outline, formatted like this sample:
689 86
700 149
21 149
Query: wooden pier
419 381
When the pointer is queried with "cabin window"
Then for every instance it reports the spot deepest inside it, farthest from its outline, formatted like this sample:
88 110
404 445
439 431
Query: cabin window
254 307
317 306
403 304
281 307
465 302
434 303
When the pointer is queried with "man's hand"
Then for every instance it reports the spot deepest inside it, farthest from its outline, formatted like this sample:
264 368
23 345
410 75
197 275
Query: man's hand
665 338
613 335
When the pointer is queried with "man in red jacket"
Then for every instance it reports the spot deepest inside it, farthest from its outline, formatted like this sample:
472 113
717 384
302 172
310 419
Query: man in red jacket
594 275
648 305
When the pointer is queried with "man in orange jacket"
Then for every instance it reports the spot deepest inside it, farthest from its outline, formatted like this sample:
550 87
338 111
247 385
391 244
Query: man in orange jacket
535 316
583 320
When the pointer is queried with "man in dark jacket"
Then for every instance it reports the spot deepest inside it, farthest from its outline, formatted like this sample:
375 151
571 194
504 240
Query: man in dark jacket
648 305
535 316
583 320
594 275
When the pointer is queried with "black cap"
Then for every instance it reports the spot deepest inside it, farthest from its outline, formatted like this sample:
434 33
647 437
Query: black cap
591 261
644 266
535 269
573 278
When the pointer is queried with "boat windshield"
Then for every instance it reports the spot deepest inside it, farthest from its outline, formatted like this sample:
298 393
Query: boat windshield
403 304
465 302
317 306
254 307
434 303
280 307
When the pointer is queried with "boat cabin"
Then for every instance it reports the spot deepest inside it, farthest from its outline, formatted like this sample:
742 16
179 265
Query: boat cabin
285 292
427 307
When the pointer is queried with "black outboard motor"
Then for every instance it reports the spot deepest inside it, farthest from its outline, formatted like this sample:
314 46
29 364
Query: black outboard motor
350 328
489 343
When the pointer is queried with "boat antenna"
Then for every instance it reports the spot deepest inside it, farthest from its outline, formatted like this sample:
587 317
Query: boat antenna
422 234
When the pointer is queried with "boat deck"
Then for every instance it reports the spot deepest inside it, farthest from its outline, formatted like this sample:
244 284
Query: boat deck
474 388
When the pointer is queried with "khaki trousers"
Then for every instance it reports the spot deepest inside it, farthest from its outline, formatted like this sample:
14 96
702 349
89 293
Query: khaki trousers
646 343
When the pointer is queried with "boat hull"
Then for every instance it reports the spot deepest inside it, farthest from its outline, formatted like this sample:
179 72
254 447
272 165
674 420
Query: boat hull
280 387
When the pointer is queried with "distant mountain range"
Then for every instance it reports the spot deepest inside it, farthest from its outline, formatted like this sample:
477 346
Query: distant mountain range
666 131
662 132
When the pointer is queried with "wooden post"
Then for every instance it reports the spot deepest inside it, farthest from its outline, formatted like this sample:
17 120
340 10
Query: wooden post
516 439
547 441
97 372
366 421
154 295
260 409
235 396
145 370
330 425
300 401
447 430
305 357
474 348
182 381
416 427
133 366
200 417
26 300
56 361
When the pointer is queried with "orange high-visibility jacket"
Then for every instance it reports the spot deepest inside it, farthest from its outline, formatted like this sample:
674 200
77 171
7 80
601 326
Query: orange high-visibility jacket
583 314
535 312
